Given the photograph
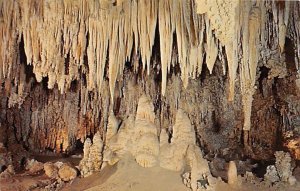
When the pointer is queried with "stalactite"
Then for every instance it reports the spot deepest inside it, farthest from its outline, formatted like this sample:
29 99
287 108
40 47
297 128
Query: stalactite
66 40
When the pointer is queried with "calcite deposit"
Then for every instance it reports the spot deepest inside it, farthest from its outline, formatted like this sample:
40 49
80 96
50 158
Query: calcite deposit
282 170
92 159
54 62
143 143
203 88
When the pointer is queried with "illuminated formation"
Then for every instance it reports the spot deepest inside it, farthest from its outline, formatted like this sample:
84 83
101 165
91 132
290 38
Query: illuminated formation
123 71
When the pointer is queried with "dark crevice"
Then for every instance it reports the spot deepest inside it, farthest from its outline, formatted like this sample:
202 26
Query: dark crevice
79 145
204 74
274 87
216 123
156 68
290 56
83 79
23 60
3 168
29 73
45 83
175 69
67 64
260 168
155 58
264 72
106 67
74 86
22 54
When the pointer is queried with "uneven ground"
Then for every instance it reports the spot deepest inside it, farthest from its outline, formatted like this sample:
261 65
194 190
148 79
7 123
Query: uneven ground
127 175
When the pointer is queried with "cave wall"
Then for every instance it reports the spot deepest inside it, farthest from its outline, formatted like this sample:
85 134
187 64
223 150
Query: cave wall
66 65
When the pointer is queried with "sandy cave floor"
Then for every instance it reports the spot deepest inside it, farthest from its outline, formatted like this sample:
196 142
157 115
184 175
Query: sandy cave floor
130 176
126 175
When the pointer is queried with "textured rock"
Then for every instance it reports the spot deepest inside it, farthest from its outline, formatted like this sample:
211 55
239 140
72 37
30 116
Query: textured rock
5 158
51 170
172 155
80 73
34 166
282 170
187 179
121 143
8 172
283 166
92 157
271 174
137 136
147 146
67 172
70 57
292 143
95 155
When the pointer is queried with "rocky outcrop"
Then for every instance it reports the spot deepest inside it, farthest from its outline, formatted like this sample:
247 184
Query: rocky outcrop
282 170
92 158
51 170
33 166
67 173
112 126
137 136
8 173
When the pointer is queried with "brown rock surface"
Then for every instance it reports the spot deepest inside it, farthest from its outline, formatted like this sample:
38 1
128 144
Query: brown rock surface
67 172
51 170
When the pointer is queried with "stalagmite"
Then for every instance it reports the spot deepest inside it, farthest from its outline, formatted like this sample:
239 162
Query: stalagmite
282 170
92 159
199 167
232 174
147 148
112 126
172 155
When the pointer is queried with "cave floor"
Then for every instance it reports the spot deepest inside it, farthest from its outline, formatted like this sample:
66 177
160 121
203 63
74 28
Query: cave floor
126 175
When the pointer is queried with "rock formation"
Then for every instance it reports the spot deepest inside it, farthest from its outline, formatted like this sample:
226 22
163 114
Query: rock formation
232 174
92 159
282 170
146 150
34 166
139 138
172 155
51 170
170 82
67 173
54 62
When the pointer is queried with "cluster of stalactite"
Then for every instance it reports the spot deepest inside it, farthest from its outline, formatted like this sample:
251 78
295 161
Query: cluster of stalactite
67 64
